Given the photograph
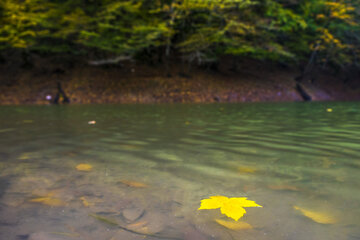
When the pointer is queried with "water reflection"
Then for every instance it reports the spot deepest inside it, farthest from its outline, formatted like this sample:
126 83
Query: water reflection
151 166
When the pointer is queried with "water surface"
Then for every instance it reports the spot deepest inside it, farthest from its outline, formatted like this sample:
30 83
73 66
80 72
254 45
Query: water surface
153 164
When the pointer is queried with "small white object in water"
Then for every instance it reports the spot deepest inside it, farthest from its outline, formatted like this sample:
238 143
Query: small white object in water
92 122
48 97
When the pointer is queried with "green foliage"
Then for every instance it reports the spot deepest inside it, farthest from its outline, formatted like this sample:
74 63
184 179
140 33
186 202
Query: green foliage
125 27
203 30
21 22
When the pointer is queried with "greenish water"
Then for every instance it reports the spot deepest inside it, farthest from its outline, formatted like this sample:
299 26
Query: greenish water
153 164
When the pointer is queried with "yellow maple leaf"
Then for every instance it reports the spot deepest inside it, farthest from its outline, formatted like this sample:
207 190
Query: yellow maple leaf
231 207
213 203
84 167
318 217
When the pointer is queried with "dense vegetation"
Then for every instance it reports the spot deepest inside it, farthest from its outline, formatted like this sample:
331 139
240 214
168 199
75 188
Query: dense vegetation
299 31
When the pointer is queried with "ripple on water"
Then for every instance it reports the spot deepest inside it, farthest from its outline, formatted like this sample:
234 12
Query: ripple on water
280 155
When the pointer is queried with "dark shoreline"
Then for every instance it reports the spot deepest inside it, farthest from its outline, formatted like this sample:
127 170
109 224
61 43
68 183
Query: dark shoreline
136 83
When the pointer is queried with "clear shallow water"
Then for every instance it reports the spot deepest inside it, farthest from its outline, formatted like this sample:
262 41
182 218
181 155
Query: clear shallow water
152 165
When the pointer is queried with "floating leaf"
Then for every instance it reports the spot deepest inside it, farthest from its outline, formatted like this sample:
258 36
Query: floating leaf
234 225
213 203
84 167
317 216
92 122
231 207
134 184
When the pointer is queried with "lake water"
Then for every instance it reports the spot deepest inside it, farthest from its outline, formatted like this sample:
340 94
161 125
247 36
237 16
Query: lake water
153 164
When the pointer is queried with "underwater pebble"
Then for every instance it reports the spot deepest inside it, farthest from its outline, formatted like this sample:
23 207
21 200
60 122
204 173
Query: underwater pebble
132 214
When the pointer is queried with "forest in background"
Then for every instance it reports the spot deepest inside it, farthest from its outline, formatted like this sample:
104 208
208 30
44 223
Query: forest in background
151 51
299 32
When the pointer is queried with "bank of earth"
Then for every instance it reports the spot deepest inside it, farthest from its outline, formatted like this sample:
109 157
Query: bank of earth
132 82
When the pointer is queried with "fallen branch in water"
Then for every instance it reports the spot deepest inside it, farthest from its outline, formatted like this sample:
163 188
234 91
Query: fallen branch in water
303 93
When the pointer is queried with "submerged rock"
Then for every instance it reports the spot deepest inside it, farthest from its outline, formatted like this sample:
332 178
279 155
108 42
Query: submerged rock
133 214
